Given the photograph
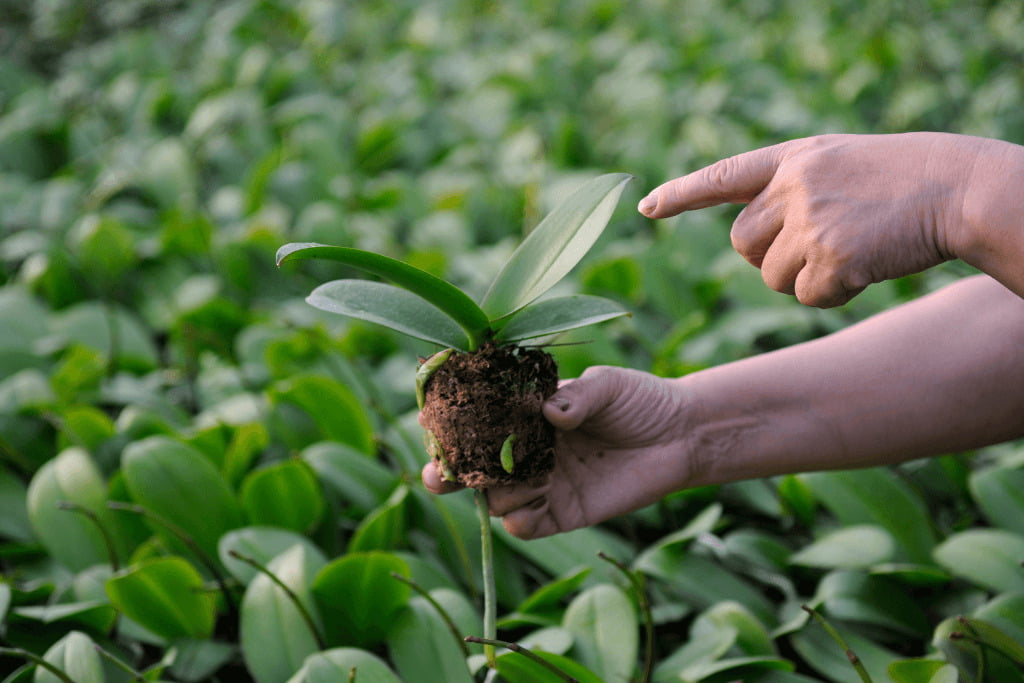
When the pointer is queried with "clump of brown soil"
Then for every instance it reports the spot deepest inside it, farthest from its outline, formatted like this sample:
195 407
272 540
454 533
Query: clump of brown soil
476 400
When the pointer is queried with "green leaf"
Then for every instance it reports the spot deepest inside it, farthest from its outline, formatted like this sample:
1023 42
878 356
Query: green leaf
284 494
75 654
1005 611
990 558
385 527
516 668
752 638
423 649
604 626
867 599
358 479
334 666
262 544
358 597
876 496
69 537
390 306
552 316
555 246
999 493
177 483
823 654
449 299
548 597
275 637
850 547
333 407
917 670
165 595
95 615
196 660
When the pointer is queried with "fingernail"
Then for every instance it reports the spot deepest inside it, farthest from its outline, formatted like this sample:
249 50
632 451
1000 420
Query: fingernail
560 403
648 203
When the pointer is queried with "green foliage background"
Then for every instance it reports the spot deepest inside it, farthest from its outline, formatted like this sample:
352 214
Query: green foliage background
155 153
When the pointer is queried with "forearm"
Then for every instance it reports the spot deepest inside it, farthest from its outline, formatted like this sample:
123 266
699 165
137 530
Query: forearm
992 237
941 374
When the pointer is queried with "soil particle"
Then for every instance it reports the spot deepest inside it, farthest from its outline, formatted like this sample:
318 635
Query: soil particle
476 400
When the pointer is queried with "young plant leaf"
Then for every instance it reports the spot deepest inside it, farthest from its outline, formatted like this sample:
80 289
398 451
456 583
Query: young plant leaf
166 595
275 636
555 246
358 597
331 666
552 316
284 494
603 622
75 654
448 298
390 306
263 544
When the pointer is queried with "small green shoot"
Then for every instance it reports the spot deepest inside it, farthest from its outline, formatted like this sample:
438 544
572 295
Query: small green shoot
506 454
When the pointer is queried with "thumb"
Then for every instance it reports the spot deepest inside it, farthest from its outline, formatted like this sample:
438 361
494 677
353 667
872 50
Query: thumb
578 399
737 179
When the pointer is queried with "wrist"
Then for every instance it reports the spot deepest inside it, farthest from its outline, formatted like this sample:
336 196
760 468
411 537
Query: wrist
992 233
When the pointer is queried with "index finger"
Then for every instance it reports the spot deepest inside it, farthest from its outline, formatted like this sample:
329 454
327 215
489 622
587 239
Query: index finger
737 179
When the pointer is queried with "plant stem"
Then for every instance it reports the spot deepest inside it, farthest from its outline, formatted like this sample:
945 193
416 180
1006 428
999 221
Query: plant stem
519 649
37 660
850 654
94 518
437 606
185 538
487 552
303 612
645 608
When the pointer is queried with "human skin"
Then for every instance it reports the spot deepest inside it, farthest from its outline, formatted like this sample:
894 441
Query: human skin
940 374
826 217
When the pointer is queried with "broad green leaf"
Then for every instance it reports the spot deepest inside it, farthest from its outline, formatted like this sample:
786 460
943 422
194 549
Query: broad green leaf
567 552
823 654
604 626
358 597
701 523
917 670
876 496
550 595
75 654
990 558
735 666
194 659
275 636
1006 612
284 494
516 668
867 599
390 306
177 483
696 652
555 246
337 412
332 666
385 527
703 582
752 638
423 649
552 316
449 299
999 493
262 544
165 595
359 480
849 547
69 537
94 615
